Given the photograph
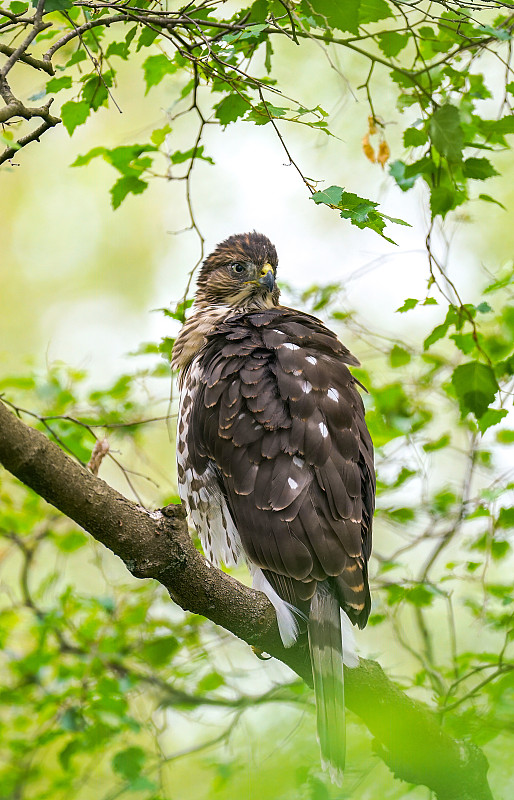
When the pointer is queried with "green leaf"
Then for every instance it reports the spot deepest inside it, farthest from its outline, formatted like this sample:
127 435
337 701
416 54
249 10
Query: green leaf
72 720
129 762
56 5
94 91
143 784
478 168
159 651
129 184
180 157
408 305
179 312
126 158
498 33
424 166
475 386
373 11
81 161
155 68
500 127
76 58
430 447
499 550
360 211
120 49
210 682
144 349
446 132
445 198
414 137
491 417
148 36
504 279
404 475
71 541
329 14
391 42
399 356
8 141
159 135
56 84
443 501
66 754
395 593
401 515
506 518
439 332
166 347
74 114
488 199
505 437
397 169
464 341
231 108
420 596
260 114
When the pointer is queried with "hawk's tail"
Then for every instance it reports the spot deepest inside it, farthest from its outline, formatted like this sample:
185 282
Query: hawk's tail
326 646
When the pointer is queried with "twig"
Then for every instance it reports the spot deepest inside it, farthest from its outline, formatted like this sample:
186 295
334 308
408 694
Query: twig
292 162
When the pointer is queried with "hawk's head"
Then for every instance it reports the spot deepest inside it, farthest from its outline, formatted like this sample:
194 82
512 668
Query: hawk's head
240 273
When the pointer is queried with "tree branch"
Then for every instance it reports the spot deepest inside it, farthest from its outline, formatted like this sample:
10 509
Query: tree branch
28 59
408 736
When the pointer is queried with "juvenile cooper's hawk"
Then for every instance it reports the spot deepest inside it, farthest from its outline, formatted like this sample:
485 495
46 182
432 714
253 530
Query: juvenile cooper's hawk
275 463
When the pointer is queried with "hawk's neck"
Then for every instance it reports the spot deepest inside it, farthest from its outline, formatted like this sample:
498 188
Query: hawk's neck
204 318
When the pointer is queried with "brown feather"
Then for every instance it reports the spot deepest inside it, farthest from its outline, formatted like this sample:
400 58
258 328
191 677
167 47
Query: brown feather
295 457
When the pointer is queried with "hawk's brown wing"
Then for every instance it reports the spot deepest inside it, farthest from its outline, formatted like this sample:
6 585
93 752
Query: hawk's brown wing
280 416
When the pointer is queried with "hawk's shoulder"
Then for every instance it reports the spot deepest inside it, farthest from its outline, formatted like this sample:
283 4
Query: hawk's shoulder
270 326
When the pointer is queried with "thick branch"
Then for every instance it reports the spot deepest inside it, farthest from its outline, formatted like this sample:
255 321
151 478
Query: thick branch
157 545
15 108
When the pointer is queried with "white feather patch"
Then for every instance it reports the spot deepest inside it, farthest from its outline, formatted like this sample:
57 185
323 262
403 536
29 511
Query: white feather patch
287 623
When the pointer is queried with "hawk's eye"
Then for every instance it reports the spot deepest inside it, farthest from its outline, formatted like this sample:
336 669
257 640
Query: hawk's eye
239 268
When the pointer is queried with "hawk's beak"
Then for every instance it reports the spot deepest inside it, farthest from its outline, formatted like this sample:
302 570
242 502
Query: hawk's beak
267 277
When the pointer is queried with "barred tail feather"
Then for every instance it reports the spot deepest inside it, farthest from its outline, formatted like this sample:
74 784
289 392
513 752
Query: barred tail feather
326 647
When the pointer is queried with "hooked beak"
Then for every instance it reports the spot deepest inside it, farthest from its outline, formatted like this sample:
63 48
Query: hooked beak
267 277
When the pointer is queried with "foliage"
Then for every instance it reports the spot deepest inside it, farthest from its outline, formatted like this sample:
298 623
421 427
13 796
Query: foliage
97 674
222 72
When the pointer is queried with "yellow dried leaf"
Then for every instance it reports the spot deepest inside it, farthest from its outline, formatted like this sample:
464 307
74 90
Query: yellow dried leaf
368 150
372 126
383 153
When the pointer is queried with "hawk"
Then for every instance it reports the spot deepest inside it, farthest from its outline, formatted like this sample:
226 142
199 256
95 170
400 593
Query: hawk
275 462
